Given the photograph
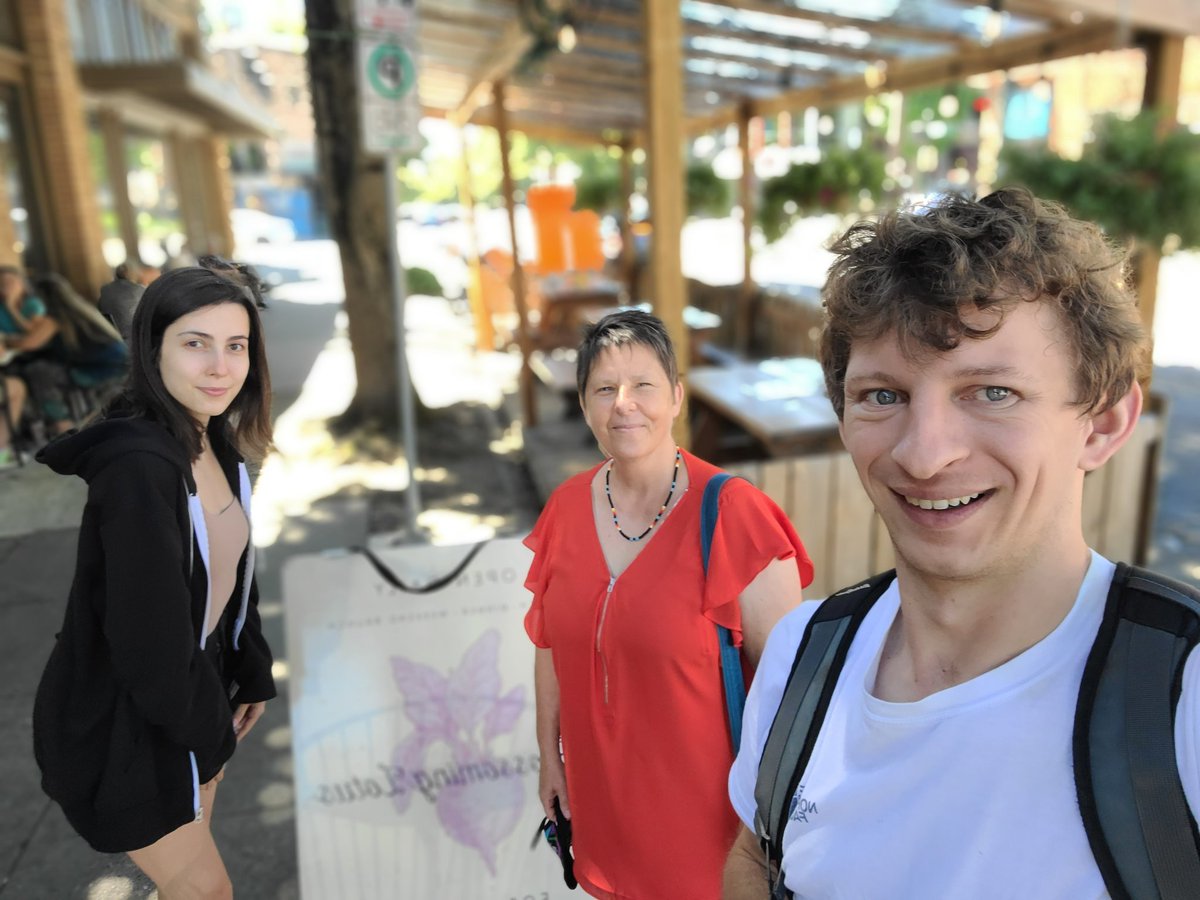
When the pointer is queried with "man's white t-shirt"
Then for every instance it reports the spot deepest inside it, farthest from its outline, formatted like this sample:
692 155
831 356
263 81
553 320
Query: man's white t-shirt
967 793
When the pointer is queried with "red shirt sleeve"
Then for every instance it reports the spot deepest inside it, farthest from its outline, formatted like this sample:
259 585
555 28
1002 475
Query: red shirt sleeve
539 542
751 532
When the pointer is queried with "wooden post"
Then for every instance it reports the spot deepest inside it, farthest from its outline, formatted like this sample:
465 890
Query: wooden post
9 256
485 332
1164 71
191 212
113 132
525 380
628 265
743 325
664 104
70 213
214 169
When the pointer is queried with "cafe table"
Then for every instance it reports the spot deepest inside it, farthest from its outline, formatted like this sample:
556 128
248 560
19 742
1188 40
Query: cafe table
780 403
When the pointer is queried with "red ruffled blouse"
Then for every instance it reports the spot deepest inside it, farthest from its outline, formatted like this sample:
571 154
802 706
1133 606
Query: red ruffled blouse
644 729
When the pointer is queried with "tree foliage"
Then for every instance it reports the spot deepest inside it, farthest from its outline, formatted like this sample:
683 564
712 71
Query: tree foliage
1135 184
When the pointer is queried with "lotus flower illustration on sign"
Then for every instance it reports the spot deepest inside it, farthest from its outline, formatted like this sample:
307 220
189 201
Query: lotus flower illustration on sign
478 799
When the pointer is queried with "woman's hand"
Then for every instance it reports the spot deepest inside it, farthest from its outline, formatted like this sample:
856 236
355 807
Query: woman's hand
245 716
552 775
552 782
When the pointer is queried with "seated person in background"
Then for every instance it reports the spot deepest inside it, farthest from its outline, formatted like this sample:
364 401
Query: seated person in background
24 326
12 404
119 298
83 351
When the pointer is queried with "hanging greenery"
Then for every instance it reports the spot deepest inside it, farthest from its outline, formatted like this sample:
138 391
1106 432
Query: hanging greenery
1134 184
707 195
598 191
835 184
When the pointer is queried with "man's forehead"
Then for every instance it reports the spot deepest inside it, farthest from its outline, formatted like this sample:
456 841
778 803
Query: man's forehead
1024 335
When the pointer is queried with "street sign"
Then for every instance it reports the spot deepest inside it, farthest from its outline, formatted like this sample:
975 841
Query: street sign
387 75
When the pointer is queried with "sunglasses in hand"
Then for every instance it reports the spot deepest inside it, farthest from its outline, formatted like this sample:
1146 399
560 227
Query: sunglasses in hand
558 836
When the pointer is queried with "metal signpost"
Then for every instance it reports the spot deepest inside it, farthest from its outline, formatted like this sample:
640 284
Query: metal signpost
389 110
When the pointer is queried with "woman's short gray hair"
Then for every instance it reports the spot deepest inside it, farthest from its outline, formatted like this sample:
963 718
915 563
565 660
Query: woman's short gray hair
622 328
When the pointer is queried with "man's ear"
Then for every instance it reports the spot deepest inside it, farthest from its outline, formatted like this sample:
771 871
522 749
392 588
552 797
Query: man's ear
1111 429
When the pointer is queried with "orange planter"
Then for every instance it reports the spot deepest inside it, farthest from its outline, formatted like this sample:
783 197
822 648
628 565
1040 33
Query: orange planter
586 251
550 208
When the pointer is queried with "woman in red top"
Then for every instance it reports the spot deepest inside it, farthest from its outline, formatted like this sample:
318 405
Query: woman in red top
627 666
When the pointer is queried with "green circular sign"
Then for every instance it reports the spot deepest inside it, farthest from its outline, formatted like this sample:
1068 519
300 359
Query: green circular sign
390 71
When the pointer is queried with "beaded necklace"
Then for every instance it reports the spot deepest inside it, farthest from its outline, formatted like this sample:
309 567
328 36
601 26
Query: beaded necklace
662 510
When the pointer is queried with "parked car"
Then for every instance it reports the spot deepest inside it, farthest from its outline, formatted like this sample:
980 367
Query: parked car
253 226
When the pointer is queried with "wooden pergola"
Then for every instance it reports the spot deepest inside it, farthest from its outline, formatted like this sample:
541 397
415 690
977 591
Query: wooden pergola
650 73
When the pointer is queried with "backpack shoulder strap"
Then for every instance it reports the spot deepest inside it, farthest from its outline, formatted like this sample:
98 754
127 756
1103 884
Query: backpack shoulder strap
1139 826
814 675
732 680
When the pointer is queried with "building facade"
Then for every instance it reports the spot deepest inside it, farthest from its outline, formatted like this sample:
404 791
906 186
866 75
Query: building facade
113 136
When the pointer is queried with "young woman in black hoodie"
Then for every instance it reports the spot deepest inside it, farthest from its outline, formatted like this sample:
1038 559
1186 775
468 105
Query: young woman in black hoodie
161 667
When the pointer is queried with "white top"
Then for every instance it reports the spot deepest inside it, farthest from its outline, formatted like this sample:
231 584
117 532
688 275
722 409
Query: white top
968 792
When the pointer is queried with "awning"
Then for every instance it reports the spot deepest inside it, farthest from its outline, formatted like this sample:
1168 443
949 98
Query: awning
178 93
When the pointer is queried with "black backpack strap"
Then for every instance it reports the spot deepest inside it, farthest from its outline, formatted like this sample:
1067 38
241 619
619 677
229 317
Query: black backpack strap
806 698
1131 798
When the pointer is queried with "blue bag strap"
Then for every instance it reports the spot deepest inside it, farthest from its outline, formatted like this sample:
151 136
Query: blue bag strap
731 660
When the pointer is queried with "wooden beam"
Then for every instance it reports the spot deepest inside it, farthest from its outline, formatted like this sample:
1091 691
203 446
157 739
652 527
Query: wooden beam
511 46
1063 42
590 40
881 27
525 377
664 102
720 117
112 133
742 326
1180 17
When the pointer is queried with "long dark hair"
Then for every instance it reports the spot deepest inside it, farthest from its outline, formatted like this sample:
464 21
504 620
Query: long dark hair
247 421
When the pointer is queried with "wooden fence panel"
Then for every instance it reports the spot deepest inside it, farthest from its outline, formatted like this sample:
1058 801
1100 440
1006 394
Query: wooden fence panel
847 540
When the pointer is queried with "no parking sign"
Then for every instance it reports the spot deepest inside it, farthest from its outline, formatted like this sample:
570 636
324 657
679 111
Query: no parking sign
387 70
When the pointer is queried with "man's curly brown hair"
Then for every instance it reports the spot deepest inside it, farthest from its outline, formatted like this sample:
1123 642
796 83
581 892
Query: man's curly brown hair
915 272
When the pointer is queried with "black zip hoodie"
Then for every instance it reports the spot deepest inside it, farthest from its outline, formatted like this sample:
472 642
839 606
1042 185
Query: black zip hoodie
132 714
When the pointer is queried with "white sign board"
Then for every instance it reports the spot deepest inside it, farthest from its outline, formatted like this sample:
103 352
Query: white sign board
386 49
416 762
